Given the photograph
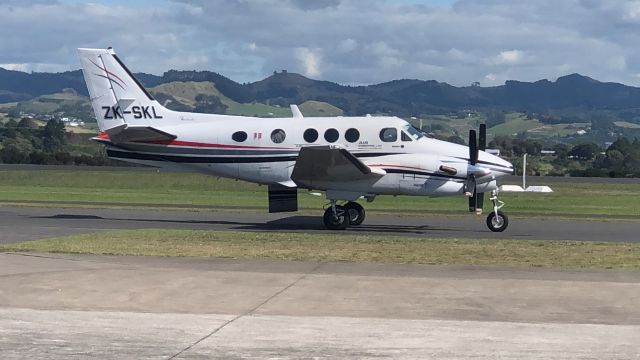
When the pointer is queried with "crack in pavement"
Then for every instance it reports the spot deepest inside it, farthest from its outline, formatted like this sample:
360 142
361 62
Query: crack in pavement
247 313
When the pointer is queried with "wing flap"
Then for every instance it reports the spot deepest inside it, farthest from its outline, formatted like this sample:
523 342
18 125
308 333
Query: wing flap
330 164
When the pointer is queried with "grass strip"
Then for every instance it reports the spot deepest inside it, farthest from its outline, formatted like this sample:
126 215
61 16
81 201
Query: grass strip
342 247
166 190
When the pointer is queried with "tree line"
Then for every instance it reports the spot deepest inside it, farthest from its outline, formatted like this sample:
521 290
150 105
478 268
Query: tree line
26 142
620 159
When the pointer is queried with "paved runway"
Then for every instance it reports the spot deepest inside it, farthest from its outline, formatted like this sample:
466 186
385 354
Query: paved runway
65 306
27 223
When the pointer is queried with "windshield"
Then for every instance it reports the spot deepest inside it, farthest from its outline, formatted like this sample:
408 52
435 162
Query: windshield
413 132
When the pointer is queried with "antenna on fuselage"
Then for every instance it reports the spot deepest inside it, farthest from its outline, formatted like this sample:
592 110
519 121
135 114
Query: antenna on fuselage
295 111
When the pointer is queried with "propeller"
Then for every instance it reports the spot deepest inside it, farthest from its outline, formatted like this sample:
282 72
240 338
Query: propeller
476 200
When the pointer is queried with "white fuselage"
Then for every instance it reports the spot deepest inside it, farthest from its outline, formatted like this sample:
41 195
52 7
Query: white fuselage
413 163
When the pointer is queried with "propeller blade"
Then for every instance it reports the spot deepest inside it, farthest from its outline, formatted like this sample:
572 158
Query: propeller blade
470 185
480 203
473 201
476 202
473 147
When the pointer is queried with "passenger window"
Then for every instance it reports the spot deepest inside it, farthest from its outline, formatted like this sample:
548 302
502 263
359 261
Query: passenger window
389 134
239 136
331 135
310 135
352 135
405 137
278 136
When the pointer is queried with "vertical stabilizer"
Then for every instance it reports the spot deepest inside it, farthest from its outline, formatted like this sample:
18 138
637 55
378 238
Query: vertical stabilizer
117 97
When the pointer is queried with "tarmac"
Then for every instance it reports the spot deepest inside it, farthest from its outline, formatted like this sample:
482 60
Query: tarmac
55 306
73 306
29 223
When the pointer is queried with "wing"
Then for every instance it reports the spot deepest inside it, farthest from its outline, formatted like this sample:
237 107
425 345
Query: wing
330 164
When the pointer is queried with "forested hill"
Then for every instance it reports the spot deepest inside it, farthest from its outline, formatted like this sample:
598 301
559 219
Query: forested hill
568 94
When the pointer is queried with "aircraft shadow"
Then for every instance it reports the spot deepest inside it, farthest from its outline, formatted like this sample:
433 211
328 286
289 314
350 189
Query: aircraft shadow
314 223
296 223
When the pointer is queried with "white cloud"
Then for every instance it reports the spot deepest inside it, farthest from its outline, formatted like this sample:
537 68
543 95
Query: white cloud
347 45
35 67
510 57
16 67
310 62
347 41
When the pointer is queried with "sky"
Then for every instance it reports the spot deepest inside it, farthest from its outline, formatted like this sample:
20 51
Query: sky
350 42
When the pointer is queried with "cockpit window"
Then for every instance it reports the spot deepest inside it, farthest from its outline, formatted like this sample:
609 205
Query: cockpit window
413 132
405 136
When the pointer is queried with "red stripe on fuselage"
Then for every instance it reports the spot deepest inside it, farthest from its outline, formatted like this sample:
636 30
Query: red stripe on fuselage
105 136
207 145
398 166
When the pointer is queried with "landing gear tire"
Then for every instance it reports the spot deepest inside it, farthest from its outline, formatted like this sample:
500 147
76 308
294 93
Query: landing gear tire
497 223
338 220
356 213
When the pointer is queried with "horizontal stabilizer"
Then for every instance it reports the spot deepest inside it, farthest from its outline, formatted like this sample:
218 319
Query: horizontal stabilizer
125 133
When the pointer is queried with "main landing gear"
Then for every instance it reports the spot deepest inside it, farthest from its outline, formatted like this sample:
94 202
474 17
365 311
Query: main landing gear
497 221
339 217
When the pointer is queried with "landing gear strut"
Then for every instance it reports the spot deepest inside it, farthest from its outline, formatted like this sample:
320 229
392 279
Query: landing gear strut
337 217
497 221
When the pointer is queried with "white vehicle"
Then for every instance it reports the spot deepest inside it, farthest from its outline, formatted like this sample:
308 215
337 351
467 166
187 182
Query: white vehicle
348 158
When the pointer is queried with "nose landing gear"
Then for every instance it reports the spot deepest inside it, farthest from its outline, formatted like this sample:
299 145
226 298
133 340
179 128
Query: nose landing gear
497 221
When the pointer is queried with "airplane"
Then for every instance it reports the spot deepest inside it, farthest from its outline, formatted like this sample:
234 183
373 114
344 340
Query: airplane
347 158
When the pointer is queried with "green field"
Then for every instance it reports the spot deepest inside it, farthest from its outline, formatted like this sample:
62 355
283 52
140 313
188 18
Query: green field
342 247
319 108
190 190
626 125
514 124
186 92
158 190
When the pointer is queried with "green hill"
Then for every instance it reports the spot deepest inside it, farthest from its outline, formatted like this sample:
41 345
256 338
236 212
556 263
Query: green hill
182 95
319 108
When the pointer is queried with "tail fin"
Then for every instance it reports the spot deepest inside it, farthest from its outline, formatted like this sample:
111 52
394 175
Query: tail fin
117 97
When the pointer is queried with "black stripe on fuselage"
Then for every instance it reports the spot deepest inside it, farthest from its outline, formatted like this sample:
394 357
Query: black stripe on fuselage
215 159
422 173
486 163
198 159
255 159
